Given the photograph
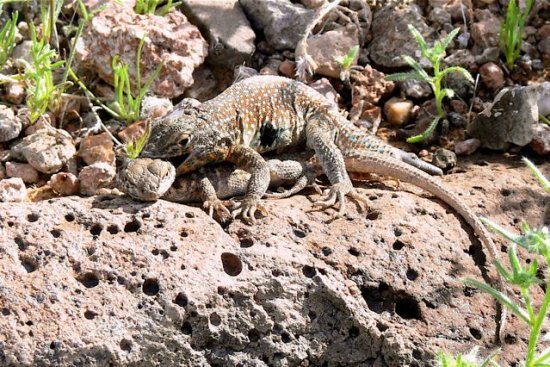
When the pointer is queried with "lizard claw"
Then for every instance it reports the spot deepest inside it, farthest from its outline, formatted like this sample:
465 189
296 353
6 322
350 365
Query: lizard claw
247 207
337 195
218 207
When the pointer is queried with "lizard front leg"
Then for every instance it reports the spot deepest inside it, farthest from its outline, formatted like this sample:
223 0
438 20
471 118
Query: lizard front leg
320 137
251 161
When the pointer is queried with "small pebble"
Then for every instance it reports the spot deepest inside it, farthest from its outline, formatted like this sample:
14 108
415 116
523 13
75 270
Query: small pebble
22 170
467 147
492 76
95 177
398 111
444 158
64 183
12 189
288 68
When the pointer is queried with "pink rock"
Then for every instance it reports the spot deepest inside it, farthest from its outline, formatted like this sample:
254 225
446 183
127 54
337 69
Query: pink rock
368 86
324 87
467 147
541 141
97 148
64 183
132 132
170 39
326 49
12 189
22 170
485 33
95 177
43 122
10 125
492 76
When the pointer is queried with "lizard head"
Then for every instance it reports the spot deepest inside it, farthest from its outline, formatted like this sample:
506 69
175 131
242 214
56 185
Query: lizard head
171 137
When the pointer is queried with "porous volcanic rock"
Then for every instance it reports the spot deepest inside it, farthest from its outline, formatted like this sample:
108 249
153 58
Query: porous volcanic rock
110 281
170 39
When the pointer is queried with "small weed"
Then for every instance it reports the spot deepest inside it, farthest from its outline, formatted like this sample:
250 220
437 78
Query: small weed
42 92
347 61
150 7
535 241
49 13
511 31
7 38
434 56
134 147
468 360
126 106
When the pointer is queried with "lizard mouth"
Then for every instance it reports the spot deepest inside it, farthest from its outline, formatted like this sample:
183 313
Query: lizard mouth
179 160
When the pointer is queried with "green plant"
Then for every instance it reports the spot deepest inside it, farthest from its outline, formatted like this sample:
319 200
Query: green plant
42 92
134 147
536 241
346 62
434 56
469 360
127 106
511 30
7 38
150 7
49 13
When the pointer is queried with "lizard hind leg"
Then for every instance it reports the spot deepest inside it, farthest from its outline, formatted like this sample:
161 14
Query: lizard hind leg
338 195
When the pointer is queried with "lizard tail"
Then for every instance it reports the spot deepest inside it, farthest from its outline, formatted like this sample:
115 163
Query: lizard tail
389 166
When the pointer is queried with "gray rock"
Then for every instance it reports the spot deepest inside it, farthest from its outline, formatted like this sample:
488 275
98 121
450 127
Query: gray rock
467 147
12 190
10 125
282 22
488 54
444 158
510 119
391 37
459 84
415 89
47 150
223 22
462 58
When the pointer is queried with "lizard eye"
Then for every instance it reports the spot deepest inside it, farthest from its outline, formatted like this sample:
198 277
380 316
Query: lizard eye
183 141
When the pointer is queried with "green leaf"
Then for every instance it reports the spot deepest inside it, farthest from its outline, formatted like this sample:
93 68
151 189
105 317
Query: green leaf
538 174
449 38
412 75
499 296
419 39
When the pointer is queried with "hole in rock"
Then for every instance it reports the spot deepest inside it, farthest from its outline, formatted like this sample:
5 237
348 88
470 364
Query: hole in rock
476 333
132 226
69 217
232 265
96 229
181 300
254 335
56 233
150 287
309 271
398 245
412 274
408 308
113 229
215 319
90 315
33 217
89 280
186 328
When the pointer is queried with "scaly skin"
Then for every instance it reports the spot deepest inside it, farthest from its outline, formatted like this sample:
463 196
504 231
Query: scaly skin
267 113
262 114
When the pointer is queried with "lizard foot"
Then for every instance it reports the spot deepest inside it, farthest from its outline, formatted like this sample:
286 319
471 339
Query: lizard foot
247 208
337 194
218 207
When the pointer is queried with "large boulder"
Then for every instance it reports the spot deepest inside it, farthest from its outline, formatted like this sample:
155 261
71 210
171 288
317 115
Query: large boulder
109 281
170 39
